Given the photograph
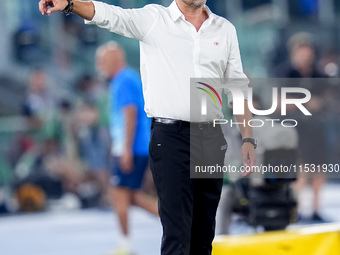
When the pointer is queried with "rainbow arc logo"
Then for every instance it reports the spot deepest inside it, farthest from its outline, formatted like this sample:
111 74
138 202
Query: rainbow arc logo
211 92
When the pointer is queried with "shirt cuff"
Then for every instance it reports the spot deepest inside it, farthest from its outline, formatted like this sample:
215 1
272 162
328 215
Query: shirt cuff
99 9
242 84
231 101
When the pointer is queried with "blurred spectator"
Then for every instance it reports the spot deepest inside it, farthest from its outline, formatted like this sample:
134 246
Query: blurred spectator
43 173
47 172
51 158
93 131
311 130
40 106
302 54
130 130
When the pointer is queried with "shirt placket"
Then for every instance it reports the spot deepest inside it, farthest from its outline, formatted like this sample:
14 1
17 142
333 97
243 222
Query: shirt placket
195 37
197 48
196 54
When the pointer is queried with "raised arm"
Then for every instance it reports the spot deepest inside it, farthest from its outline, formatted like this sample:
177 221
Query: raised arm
133 23
83 9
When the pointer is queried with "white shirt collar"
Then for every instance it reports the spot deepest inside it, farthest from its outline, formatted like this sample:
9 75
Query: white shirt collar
176 13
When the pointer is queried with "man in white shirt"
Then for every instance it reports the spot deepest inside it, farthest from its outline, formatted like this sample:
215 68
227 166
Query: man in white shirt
179 42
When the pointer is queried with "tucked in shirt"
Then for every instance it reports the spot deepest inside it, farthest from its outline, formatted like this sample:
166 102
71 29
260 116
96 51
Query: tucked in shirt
173 51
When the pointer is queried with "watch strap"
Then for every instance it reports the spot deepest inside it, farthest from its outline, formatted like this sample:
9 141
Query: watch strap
250 140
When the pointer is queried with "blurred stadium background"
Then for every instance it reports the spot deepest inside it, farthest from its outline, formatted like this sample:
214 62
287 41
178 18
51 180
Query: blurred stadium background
53 108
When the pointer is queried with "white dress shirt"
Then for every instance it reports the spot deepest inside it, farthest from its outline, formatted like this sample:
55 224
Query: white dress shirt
173 51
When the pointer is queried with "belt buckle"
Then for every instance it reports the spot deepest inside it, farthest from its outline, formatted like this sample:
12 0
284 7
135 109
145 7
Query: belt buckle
166 121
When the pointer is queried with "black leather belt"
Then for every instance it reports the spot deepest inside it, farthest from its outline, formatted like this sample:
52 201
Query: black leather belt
182 123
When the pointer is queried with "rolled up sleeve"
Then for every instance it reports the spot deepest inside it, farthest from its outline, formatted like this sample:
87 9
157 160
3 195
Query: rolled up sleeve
132 23
234 72
99 13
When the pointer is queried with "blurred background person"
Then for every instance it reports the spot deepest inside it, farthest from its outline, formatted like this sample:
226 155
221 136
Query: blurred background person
302 56
40 104
311 131
130 130
92 131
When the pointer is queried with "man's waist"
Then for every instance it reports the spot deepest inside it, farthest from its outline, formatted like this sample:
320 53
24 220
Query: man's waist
183 123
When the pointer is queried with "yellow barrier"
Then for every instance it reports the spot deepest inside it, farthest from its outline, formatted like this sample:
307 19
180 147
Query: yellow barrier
310 240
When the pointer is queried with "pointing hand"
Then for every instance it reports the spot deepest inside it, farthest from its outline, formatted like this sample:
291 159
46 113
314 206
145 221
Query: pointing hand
55 5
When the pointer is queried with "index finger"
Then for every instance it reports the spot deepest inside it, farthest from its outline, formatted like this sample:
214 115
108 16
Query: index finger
245 158
42 7
252 158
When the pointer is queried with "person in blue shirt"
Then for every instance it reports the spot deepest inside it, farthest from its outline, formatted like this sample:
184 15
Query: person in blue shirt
130 131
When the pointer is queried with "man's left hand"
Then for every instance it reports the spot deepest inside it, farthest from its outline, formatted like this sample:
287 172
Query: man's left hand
249 159
126 162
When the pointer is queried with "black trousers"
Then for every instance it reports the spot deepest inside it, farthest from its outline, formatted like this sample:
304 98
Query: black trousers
187 206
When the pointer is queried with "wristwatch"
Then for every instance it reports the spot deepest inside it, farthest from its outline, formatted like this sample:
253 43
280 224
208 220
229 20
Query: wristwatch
69 8
250 140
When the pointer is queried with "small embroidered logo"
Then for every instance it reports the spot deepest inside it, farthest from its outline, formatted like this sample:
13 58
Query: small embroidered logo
216 43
